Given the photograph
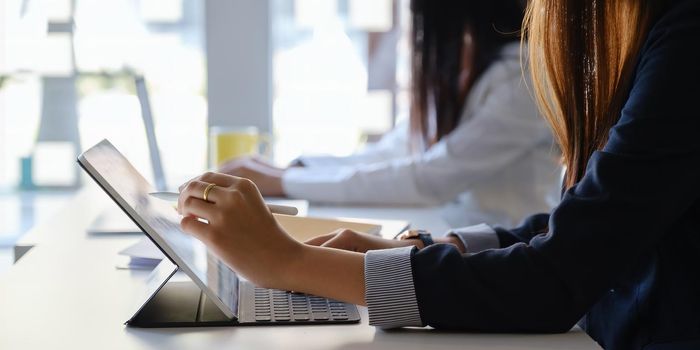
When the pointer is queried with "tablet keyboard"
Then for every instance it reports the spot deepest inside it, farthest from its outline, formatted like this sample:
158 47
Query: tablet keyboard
280 306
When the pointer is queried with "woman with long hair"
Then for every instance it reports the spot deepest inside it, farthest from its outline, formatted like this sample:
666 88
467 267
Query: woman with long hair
474 140
618 82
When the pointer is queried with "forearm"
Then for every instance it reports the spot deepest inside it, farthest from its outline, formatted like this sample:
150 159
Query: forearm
333 273
389 182
328 272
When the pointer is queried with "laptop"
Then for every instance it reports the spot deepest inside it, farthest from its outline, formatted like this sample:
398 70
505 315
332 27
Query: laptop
216 295
112 220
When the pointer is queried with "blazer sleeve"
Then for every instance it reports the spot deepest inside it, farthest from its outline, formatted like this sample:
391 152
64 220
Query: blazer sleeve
530 227
633 191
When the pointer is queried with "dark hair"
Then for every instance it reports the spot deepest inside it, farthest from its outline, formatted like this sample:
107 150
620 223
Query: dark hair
437 32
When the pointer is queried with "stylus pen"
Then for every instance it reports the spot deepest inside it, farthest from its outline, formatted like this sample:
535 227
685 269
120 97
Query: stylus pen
275 208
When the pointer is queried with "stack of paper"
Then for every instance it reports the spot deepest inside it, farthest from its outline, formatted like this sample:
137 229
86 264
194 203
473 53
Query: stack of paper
143 255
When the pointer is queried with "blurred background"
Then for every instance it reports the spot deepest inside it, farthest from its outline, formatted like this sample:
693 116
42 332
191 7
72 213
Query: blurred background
319 76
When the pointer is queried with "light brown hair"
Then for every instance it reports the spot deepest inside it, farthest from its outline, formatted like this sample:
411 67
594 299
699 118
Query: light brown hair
582 55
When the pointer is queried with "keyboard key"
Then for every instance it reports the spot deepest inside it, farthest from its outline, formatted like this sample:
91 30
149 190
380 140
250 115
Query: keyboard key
301 317
283 306
320 316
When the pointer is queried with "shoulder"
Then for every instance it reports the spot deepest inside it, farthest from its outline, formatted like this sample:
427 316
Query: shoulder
501 100
678 14
676 33
504 81
505 70
661 110
668 68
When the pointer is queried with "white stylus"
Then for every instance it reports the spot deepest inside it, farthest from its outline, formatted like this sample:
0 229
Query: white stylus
277 209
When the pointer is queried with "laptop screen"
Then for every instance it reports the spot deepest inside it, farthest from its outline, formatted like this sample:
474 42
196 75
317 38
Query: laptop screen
161 222
149 125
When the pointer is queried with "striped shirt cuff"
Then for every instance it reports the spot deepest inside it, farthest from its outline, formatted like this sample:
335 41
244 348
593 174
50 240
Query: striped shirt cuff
389 290
477 238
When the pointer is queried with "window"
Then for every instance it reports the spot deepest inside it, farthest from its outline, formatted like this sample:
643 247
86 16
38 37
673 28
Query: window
334 74
66 78
66 67
51 69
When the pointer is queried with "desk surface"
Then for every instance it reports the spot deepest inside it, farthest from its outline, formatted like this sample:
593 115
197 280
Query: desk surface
66 294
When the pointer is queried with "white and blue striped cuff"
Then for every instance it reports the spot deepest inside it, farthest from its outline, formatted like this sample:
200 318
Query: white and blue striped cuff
389 290
476 238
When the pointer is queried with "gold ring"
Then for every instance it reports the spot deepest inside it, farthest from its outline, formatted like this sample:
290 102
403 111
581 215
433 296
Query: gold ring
206 192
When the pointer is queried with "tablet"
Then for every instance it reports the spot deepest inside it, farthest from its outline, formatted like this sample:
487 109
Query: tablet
161 223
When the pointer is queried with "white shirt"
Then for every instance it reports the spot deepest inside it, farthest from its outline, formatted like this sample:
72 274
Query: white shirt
498 166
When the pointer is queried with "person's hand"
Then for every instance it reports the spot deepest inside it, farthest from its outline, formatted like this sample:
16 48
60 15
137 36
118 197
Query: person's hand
267 177
240 229
362 242
359 242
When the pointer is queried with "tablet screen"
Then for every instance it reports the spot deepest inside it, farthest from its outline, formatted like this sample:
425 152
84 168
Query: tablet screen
161 222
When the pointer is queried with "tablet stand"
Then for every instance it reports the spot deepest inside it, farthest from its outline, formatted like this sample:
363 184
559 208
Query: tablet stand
175 304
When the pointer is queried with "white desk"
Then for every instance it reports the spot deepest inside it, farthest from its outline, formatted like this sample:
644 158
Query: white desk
66 294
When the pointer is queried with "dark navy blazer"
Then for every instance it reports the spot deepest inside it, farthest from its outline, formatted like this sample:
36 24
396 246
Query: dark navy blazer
622 251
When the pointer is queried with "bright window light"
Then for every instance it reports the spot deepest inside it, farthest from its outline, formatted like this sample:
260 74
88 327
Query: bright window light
4 33
20 104
310 13
4 175
112 39
161 10
58 10
371 15
10 214
54 164
321 98
46 54
372 111
53 56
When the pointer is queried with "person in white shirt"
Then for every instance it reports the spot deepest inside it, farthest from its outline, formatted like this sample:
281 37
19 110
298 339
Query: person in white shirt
474 142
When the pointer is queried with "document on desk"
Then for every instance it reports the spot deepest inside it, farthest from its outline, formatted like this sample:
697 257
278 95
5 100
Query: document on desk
144 249
142 255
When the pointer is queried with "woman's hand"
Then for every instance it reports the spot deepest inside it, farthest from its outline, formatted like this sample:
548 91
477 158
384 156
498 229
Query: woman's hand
362 242
242 232
267 177
359 242
240 229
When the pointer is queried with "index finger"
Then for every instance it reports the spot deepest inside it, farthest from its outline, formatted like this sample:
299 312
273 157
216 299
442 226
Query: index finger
195 189
319 240
218 179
